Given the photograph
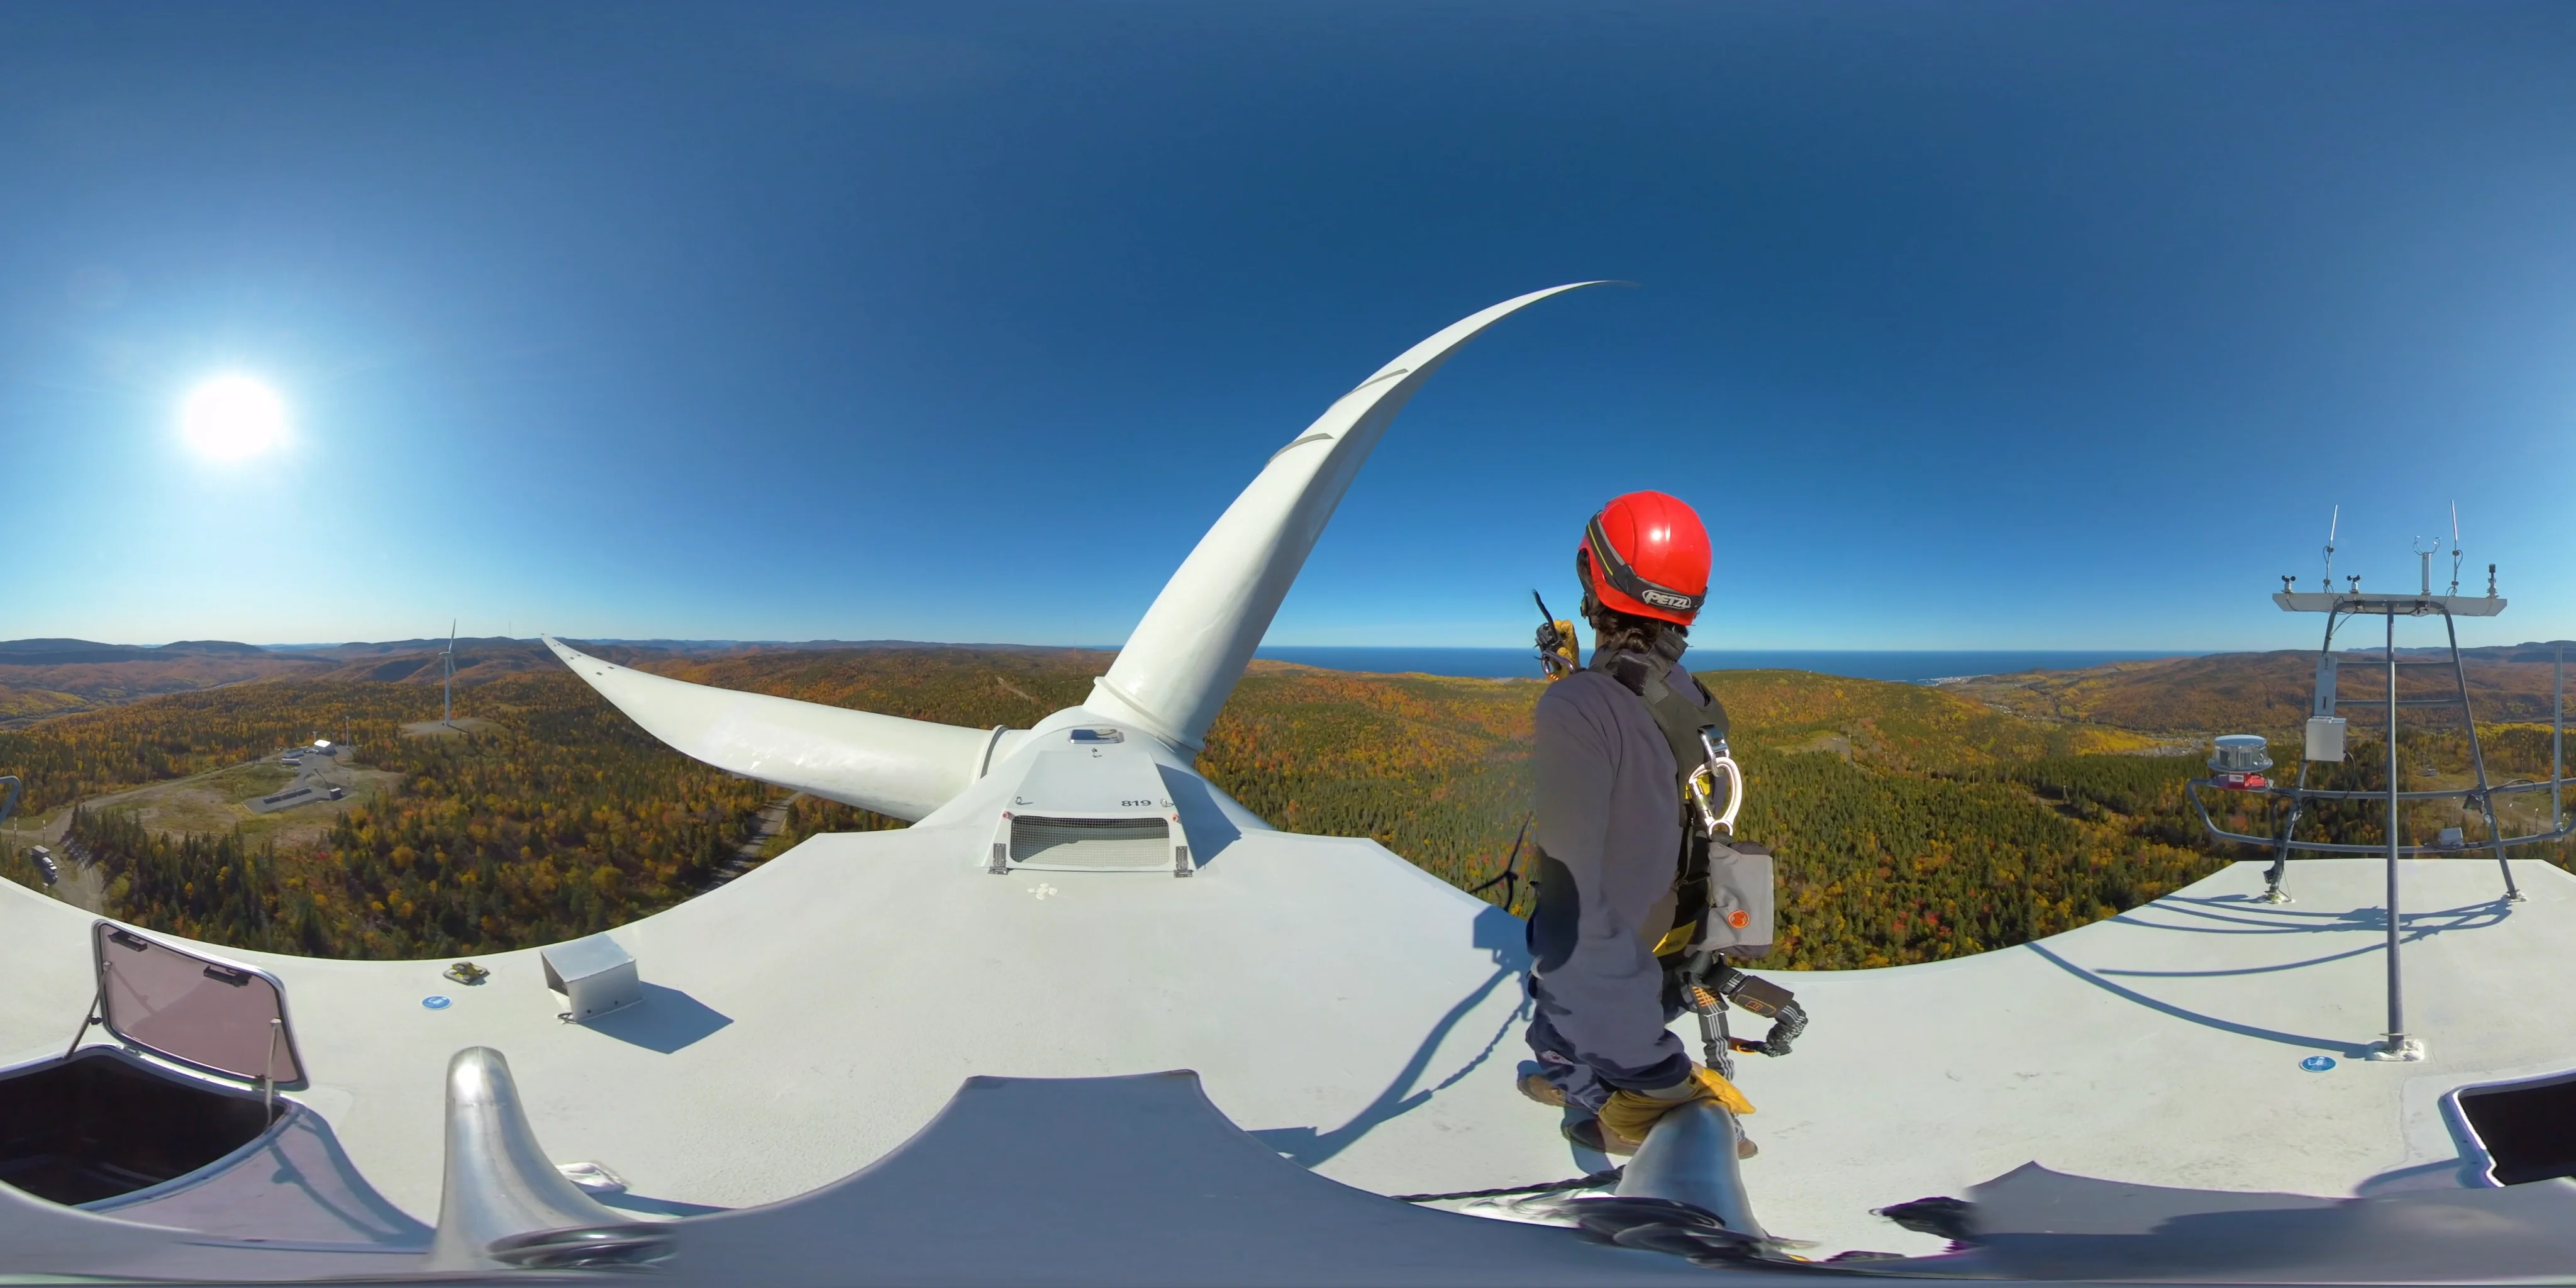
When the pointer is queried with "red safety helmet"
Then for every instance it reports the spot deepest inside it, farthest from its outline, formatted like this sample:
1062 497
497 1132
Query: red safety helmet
1645 554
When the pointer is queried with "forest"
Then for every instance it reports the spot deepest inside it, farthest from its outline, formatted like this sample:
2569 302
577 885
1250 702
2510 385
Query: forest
1914 823
557 817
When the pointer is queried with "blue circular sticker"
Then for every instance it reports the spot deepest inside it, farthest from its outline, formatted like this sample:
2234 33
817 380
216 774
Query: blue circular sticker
437 1003
2313 1064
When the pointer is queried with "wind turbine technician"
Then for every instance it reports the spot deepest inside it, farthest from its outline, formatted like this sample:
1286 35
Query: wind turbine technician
1618 907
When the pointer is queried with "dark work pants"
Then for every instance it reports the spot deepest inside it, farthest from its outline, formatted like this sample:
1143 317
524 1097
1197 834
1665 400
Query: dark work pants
1581 1084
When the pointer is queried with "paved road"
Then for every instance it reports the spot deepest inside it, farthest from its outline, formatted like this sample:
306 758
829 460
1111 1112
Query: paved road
83 885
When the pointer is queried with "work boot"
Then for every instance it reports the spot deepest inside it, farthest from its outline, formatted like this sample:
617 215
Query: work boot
1537 1087
1589 1133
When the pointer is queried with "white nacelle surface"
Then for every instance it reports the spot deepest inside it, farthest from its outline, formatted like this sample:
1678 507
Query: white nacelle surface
1364 1019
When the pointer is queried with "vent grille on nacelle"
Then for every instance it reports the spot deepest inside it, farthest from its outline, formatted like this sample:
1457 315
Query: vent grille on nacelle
1091 842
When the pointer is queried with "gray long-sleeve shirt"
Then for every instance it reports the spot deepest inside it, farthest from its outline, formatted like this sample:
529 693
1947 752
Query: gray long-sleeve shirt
1609 829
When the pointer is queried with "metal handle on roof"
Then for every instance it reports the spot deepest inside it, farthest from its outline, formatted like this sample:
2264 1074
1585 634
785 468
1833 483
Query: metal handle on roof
502 1202
1689 1157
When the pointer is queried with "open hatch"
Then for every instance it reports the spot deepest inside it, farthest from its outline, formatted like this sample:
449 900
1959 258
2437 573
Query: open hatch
102 1124
216 1015
108 1121
2528 1128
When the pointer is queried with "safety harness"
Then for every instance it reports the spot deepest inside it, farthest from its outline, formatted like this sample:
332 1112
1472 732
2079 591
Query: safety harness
1694 730
1720 904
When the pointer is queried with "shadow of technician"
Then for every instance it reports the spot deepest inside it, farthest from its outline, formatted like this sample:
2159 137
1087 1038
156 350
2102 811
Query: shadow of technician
1502 935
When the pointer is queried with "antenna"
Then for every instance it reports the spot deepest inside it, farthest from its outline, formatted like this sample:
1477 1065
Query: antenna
447 703
2332 522
2455 548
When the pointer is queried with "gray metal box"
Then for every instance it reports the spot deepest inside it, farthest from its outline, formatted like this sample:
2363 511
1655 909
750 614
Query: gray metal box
2325 738
594 974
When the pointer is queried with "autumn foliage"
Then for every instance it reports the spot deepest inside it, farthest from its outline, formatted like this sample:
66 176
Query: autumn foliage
1912 823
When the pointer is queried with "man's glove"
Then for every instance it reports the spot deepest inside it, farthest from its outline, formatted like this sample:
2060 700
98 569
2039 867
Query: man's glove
1785 1028
1631 1114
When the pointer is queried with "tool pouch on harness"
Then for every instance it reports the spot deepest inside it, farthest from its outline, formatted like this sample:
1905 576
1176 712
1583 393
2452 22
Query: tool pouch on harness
1739 900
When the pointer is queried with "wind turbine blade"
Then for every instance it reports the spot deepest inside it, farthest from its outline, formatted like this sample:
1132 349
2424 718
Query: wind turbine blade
1185 656
904 768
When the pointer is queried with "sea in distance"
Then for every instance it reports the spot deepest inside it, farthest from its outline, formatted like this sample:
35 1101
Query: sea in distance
1863 664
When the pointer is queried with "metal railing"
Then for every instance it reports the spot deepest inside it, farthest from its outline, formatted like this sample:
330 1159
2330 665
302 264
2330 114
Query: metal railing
2481 796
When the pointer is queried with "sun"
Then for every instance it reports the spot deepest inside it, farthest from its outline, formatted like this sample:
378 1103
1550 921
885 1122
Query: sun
232 418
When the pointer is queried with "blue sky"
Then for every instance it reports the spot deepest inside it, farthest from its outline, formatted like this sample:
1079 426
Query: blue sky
1999 325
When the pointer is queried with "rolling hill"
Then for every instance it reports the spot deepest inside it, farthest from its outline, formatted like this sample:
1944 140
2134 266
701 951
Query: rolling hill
2255 692
43 678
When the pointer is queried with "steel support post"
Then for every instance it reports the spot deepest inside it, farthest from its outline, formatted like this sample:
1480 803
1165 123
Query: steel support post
2399 1046
2478 759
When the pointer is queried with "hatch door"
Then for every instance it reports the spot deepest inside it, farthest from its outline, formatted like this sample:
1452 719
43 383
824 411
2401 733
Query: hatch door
219 1016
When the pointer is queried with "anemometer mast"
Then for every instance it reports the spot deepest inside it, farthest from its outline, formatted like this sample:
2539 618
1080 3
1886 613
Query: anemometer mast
2239 758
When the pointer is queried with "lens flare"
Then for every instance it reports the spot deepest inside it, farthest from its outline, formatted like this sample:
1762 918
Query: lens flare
231 418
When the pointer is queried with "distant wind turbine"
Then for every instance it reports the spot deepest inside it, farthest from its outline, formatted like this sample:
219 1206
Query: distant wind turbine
447 703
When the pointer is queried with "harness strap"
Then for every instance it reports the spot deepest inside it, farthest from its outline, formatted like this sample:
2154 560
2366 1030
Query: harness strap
1680 720
1676 716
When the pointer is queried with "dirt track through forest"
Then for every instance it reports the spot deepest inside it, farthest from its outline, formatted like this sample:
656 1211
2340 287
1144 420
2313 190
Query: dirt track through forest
773 818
